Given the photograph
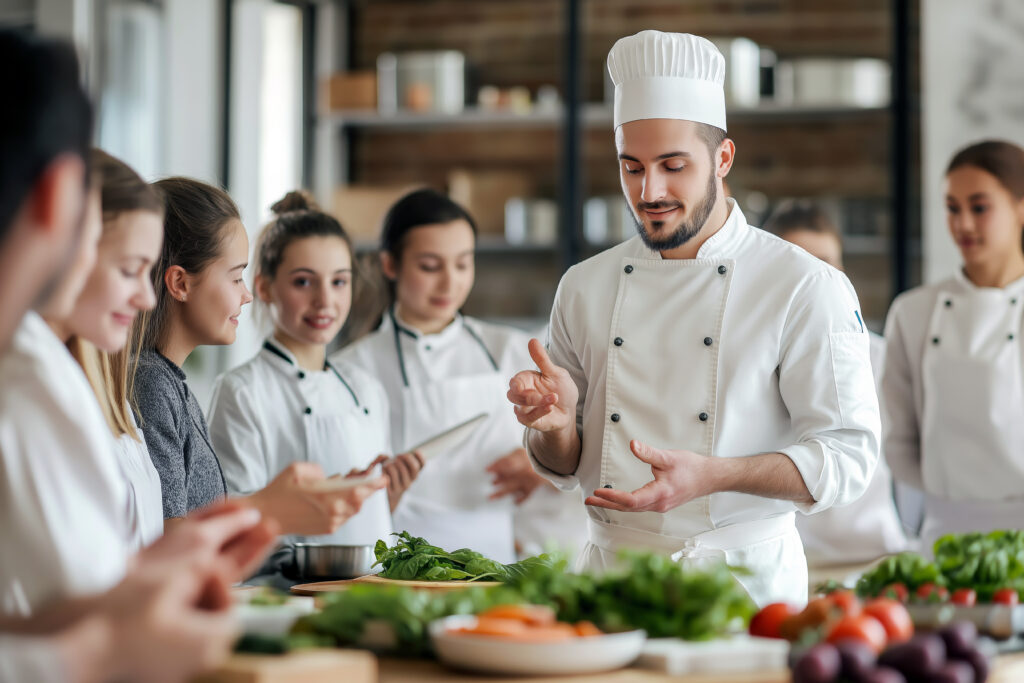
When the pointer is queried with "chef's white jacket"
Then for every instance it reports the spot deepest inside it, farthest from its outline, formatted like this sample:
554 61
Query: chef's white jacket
754 346
953 394
63 499
268 413
865 529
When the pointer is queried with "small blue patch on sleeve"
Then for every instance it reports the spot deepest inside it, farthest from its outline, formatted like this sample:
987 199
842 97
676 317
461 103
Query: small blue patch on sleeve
859 320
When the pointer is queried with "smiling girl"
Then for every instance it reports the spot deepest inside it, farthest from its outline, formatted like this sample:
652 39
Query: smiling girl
289 402
199 296
953 388
441 368
117 290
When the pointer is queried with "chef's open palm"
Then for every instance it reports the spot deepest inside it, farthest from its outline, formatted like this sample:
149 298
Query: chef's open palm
544 400
679 477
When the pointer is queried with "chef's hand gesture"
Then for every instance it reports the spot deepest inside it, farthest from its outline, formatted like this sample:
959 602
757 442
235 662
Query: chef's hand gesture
513 475
545 400
679 477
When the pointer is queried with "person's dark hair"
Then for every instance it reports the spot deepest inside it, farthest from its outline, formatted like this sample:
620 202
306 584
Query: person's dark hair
298 217
45 114
800 214
712 136
416 209
1001 159
195 217
121 188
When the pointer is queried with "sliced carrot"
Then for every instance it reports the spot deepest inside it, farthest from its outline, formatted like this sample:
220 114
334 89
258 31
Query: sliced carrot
496 626
529 614
544 634
585 628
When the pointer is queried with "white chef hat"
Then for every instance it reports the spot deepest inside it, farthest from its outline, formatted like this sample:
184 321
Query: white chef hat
667 76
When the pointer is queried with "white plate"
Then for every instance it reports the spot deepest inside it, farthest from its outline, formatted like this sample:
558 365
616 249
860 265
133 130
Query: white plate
272 620
501 656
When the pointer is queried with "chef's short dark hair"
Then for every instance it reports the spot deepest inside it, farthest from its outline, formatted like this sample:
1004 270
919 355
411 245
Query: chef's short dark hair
712 136
416 209
45 114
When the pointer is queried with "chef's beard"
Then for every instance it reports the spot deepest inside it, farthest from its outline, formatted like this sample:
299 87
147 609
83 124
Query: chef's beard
687 228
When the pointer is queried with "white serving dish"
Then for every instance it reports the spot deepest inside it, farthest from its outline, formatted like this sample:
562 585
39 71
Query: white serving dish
272 620
498 655
739 654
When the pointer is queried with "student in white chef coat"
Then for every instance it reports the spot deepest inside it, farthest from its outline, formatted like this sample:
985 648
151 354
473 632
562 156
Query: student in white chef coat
441 368
953 387
200 292
289 402
97 330
168 618
870 527
705 379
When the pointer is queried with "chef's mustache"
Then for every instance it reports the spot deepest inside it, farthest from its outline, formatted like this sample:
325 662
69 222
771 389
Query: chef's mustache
657 206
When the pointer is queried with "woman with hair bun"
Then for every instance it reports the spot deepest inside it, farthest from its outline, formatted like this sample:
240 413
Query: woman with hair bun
289 403
953 387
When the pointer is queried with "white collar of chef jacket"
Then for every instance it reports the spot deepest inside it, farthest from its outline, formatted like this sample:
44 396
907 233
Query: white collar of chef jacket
442 338
1015 287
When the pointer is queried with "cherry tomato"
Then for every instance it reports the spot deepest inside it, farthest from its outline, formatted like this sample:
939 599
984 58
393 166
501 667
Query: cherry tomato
967 597
929 592
817 612
893 616
1006 596
896 591
768 621
845 602
863 627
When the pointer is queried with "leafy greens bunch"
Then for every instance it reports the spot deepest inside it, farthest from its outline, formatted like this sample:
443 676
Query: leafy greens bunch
412 558
651 592
984 562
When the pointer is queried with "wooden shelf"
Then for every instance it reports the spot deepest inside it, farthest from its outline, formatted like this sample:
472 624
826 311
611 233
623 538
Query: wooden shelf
593 115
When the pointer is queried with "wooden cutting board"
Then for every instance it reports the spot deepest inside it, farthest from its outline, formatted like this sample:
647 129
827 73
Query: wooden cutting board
309 666
333 586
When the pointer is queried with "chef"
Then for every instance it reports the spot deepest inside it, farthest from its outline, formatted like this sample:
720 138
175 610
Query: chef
952 390
704 379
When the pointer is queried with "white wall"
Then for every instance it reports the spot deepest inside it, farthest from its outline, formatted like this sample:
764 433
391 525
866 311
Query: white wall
972 89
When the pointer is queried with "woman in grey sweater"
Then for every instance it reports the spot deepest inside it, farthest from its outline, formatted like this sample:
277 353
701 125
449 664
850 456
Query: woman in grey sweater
199 296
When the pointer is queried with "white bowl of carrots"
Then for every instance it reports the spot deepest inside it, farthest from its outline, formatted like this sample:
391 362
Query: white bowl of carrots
529 640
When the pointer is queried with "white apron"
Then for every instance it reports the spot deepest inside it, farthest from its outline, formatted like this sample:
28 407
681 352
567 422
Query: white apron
354 437
448 503
641 371
972 427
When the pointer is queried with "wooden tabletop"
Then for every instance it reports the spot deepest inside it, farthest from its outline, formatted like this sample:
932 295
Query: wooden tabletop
425 671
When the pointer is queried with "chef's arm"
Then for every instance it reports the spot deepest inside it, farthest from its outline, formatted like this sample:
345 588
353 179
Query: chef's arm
557 451
901 436
769 475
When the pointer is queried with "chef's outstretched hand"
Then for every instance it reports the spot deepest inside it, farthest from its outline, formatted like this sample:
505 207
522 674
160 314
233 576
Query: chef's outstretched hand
679 477
545 400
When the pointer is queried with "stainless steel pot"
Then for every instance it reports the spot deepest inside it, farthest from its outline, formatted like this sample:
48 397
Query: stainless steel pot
323 562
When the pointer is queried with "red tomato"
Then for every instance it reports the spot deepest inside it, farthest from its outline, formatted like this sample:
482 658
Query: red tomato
896 591
893 616
964 596
844 601
932 593
1006 596
864 627
766 623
